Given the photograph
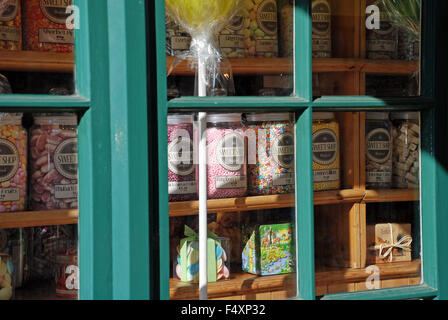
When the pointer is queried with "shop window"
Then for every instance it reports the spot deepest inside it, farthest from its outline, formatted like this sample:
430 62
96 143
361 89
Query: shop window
39 151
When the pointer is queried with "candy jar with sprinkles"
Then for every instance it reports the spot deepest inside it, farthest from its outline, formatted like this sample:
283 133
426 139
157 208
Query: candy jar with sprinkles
270 144
326 157
226 156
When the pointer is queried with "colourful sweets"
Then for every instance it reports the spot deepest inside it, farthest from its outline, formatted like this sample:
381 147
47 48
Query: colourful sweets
270 146
181 169
10 25
226 156
13 163
54 162
45 25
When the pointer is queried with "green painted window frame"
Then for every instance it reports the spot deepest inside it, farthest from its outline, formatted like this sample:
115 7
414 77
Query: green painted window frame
111 96
431 103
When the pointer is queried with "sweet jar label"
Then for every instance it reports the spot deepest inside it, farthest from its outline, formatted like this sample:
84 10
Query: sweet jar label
321 18
9 34
66 158
9 160
62 36
325 147
379 146
180 43
378 177
229 152
267 17
231 41
283 179
8 10
231 182
325 175
9 194
66 191
180 156
266 46
181 187
283 150
56 10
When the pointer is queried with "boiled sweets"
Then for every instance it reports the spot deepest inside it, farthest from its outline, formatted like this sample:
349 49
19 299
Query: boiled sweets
231 37
13 163
263 29
54 162
45 25
10 25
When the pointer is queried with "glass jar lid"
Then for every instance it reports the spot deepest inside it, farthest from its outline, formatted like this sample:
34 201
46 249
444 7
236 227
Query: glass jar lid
224 117
68 119
323 115
281 116
11 118
377 116
404 115
180 118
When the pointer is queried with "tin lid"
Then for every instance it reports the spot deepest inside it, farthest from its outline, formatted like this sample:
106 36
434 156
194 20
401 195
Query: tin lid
180 118
377 116
224 117
404 115
281 116
69 119
323 115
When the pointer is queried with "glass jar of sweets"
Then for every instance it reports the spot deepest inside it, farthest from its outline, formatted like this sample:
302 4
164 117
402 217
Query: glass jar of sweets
326 156
406 150
13 163
54 162
226 156
270 144
181 169
378 151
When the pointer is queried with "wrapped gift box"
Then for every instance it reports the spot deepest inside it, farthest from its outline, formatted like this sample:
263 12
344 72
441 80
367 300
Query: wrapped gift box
218 261
268 249
389 242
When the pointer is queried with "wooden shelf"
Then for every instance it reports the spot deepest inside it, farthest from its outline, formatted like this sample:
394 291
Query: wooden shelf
270 66
393 195
38 218
244 284
38 290
33 61
187 208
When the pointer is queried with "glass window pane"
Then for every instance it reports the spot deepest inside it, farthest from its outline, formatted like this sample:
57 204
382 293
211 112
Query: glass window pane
368 234
36 46
251 214
366 47
245 52
38 187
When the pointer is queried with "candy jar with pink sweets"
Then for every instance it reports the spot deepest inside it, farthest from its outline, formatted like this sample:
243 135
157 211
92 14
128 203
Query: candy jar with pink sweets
54 162
226 156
